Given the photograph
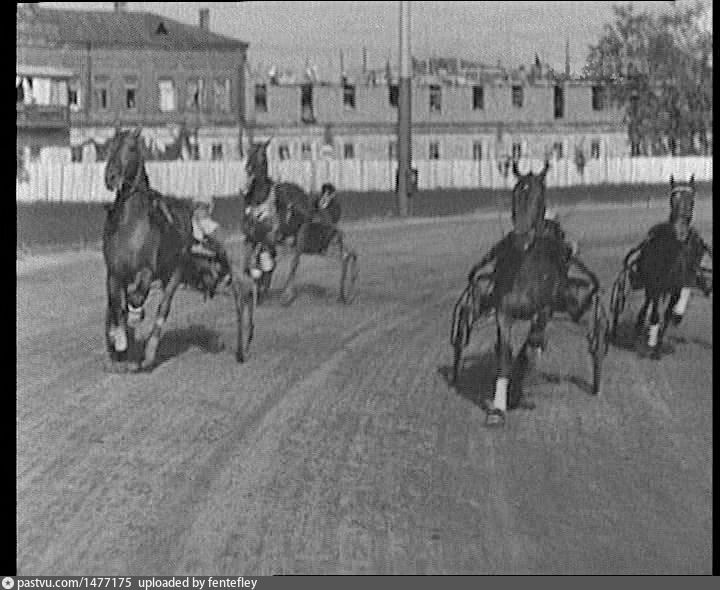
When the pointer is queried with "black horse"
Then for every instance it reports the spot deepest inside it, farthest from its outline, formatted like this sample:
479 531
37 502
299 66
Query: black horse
283 212
147 237
530 283
667 267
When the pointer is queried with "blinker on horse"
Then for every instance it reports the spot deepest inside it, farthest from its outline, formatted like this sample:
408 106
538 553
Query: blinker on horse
147 237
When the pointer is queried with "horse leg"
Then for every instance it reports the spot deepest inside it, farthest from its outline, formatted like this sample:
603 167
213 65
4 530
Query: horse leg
677 306
642 316
289 289
162 314
536 338
115 325
497 409
654 328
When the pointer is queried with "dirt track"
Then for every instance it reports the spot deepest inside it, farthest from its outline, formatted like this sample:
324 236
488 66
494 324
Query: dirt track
340 447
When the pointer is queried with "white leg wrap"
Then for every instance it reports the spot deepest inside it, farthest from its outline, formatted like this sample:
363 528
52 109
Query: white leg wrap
159 322
266 261
500 401
653 335
119 339
680 306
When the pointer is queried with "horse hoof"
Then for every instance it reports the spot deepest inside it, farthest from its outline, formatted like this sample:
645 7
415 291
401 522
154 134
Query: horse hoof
287 298
133 367
115 367
525 404
147 365
675 319
495 417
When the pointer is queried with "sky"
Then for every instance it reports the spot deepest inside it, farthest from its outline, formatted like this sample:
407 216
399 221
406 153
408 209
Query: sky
289 33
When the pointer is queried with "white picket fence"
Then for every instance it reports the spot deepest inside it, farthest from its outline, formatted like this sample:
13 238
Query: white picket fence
204 180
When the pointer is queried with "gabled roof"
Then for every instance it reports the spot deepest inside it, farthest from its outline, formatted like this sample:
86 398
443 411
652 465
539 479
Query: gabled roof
129 30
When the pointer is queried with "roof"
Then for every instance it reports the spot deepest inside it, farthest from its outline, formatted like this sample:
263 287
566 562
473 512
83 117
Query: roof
129 30
42 71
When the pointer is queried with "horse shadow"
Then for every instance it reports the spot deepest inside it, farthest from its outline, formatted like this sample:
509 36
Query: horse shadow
476 381
177 341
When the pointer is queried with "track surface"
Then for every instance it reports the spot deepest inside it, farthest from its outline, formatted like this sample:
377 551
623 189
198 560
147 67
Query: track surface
340 447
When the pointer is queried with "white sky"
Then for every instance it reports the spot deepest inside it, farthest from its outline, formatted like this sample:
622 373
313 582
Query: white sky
288 33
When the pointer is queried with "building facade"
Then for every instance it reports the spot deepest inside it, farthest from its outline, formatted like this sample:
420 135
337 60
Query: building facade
183 84
466 120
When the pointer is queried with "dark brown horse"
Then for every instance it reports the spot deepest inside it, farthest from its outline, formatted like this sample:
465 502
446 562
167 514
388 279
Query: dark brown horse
530 284
283 212
146 238
667 268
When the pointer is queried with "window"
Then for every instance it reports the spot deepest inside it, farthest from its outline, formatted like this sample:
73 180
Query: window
478 98
166 89
595 150
517 96
598 98
558 150
306 151
34 153
435 99
222 95
559 102
217 151
349 96
392 150
434 152
477 151
516 151
76 153
306 103
195 99
261 98
74 96
283 151
101 93
394 95
348 151
194 151
131 86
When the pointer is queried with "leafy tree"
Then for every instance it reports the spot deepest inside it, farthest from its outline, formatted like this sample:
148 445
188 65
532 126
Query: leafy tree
659 69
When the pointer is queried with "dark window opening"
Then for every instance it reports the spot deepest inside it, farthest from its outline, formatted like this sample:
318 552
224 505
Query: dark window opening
478 98
435 99
517 96
477 151
349 96
217 151
394 95
261 98
559 102
306 103
348 151
516 151
598 98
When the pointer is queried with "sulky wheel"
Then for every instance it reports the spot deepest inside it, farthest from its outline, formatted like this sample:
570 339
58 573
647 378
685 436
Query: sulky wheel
460 339
618 299
349 278
598 341
246 321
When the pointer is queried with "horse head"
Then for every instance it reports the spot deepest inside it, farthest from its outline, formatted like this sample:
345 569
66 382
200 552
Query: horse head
682 199
256 165
528 199
125 164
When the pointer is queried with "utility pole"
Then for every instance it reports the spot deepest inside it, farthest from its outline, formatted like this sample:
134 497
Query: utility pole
404 112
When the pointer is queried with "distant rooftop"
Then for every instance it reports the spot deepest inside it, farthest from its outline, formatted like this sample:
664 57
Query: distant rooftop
120 28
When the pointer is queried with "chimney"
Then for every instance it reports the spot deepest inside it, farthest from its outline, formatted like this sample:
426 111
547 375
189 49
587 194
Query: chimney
120 6
205 19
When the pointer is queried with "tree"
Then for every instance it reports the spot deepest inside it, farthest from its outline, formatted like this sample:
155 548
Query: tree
659 69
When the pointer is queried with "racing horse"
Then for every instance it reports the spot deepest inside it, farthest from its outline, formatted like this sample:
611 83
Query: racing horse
278 212
666 265
530 283
147 237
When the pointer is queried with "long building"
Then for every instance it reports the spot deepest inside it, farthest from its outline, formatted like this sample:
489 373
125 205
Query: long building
509 116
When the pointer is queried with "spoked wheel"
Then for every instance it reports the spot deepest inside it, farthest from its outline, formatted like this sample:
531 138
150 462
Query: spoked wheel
598 341
349 278
618 299
247 321
461 337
